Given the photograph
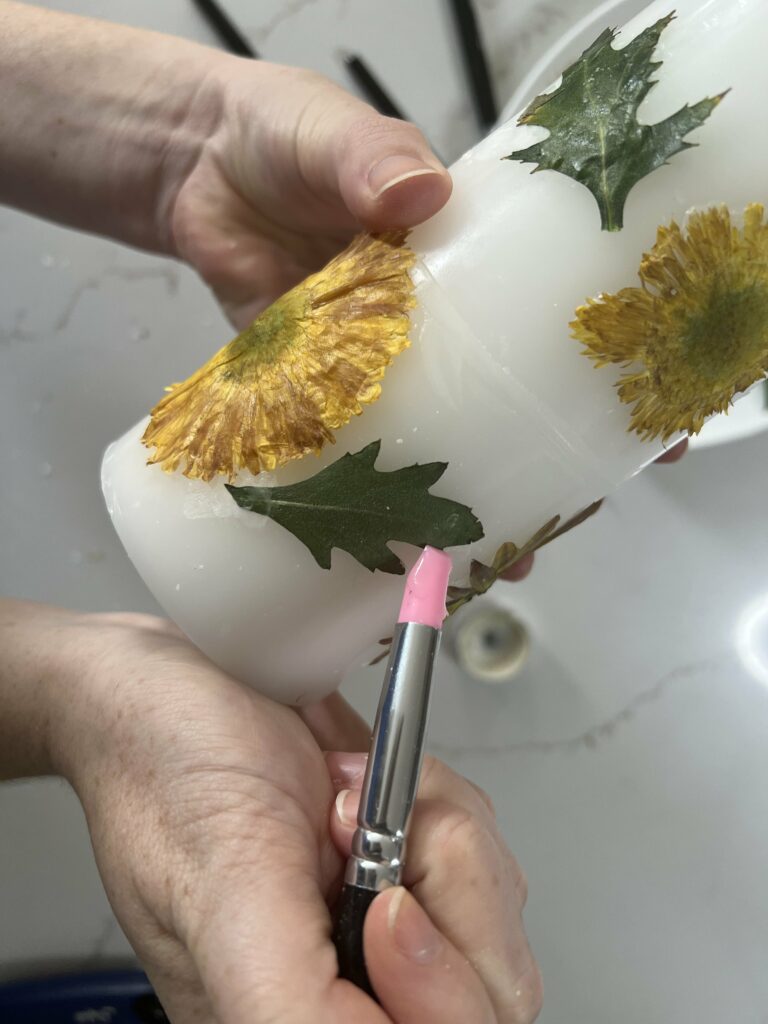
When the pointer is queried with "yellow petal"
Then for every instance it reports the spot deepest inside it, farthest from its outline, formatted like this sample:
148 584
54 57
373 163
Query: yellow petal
696 332
303 368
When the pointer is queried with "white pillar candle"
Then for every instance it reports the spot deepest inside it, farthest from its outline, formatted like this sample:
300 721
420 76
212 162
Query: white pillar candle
493 384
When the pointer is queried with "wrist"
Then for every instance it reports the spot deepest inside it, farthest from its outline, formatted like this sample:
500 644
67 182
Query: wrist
87 691
34 685
101 130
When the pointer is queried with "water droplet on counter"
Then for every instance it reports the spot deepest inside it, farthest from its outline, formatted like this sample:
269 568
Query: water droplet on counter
399 440
46 469
200 565
178 586
138 333
46 260
415 429
239 568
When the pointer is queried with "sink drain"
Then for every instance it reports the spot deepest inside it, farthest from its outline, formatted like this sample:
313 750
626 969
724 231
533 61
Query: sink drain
490 644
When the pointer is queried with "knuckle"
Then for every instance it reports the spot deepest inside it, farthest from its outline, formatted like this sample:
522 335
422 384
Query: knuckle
132 620
486 799
373 130
430 767
464 837
304 78
522 886
518 879
523 1002
533 997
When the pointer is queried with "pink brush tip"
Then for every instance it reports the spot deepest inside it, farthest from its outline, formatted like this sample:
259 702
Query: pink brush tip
425 589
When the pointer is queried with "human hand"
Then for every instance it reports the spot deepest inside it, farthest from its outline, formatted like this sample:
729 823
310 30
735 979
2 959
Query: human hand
292 167
213 820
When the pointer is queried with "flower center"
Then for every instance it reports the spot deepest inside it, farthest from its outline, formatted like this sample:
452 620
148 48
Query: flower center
729 332
265 341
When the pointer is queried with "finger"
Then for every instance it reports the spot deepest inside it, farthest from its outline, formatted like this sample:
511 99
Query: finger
388 176
453 848
417 973
382 168
437 781
519 570
336 725
675 453
453 854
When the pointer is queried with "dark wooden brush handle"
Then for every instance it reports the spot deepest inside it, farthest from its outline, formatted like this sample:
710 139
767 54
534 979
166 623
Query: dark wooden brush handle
348 935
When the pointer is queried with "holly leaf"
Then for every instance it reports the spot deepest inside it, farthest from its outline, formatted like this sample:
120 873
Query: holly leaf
594 135
352 506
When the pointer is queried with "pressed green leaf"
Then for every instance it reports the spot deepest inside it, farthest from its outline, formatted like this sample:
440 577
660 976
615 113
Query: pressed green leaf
576 520
481 576
457 597
355 507
505 556
594 135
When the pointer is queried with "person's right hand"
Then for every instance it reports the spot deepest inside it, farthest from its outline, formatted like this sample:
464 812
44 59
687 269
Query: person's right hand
213 817
449 947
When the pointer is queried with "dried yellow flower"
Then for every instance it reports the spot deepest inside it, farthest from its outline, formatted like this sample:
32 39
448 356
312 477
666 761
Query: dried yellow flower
303 368
696 332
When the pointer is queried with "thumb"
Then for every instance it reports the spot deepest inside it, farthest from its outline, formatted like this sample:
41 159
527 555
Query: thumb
387 175
381 167
263 949
416 972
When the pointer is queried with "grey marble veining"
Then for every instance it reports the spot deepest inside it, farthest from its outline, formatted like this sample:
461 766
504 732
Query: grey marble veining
627 760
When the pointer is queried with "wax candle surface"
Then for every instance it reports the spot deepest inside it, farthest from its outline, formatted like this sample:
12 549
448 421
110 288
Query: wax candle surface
493 383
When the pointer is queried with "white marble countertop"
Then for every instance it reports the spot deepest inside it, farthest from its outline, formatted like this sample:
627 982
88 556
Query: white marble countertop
629 758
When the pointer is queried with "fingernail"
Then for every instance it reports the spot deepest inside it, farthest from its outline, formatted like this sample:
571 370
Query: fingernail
348 767
394 169
414 934
346 806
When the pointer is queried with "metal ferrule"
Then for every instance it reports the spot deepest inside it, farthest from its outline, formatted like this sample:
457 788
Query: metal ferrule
392 774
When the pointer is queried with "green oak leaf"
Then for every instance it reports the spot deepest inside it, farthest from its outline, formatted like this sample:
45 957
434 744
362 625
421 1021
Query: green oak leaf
352 506
594 135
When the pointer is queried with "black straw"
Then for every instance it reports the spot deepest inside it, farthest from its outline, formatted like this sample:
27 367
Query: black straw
226 30
374 91
475 62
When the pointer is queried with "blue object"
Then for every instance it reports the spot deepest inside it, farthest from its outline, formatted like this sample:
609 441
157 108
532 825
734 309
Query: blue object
99 997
